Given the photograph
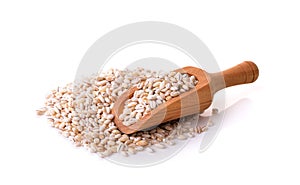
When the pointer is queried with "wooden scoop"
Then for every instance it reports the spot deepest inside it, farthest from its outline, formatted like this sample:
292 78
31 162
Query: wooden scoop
193 101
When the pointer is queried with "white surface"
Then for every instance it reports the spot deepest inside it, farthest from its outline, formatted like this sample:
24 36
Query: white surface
41 44
141 51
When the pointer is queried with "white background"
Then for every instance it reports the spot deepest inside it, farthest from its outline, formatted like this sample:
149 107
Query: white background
42 43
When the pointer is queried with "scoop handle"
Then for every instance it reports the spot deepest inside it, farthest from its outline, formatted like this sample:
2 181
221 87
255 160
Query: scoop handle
243 73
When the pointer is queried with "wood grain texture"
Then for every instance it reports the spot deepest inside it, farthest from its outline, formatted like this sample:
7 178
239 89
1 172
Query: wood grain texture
194 101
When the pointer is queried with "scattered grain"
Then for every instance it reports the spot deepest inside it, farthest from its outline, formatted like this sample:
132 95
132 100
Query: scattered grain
81 111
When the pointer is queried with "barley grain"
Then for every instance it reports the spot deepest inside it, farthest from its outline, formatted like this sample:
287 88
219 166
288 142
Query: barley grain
81 111
41 111
131 150
142 143
124 153
139 148
159 145
150 150
215 111
170 142
210 123
181 137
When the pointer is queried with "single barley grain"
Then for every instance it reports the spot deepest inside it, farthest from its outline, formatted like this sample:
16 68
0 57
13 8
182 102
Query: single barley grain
215 111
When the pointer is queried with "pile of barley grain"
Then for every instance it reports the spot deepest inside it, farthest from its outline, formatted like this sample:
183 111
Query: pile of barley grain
153 92
81 111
